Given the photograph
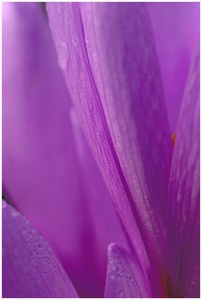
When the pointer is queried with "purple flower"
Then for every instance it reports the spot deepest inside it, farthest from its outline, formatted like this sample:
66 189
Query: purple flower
112 56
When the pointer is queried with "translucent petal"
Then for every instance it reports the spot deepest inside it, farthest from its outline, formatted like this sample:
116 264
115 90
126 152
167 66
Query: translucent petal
107 55
30 269
176 27
49 173
184 196
125 279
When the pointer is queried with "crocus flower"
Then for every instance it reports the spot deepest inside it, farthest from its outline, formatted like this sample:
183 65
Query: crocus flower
109 54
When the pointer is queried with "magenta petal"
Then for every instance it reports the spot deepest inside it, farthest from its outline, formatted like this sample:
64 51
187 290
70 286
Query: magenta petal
125 279
30 269
184 196
36 156
38 142
49 174
104 224
176 31
107 55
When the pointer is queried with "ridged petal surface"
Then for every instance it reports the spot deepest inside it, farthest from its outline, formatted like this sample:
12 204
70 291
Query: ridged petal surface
49 173
184 196
125 279
107 55
30 269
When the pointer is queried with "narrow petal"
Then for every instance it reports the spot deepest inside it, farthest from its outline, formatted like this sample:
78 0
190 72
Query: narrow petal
45 175
176 30
107 55
125 279
105 223
30 269
184 196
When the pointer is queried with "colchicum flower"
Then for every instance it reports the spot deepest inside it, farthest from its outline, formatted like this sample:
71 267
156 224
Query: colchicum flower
87 110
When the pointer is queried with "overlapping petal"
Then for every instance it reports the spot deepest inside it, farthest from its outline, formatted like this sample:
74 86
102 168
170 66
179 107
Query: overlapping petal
107 55
176 32
44 176
105 224
184 196
125 279
30 269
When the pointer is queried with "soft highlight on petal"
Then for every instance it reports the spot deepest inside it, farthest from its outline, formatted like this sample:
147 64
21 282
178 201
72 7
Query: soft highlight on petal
125 279
184 196
107 55
30 269
45 175
176 28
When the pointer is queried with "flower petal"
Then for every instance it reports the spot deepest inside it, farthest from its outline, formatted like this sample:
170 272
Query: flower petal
105 224
30 269
107 55
44 175
184 193
125 278
176 31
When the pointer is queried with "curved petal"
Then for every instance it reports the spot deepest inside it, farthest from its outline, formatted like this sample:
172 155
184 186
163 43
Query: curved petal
184 196
125 279
176 30
105 224
44 176
107 55
30 269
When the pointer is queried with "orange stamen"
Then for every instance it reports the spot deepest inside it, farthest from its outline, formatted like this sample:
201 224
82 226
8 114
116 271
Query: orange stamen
173 138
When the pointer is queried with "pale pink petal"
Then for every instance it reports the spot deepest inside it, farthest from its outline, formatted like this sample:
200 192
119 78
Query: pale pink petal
30 269
184 196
